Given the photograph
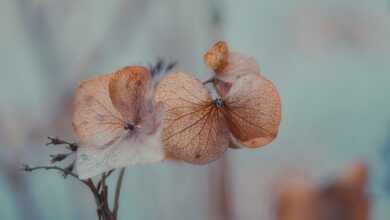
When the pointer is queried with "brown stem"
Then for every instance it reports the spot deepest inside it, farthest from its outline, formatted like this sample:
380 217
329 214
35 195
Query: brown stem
98 190
103 210
57 141
64 171
117 192
96 196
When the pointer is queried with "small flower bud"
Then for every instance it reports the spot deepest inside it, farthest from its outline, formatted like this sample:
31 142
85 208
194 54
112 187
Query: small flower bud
216 57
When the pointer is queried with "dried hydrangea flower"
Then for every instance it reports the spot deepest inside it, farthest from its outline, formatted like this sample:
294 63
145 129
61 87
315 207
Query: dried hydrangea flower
197 129
238 73
117 121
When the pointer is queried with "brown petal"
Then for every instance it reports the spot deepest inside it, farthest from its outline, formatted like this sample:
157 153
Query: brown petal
127 89
252 110
194 129
95 120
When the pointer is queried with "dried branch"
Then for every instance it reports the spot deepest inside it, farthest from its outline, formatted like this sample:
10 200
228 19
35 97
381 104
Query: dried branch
65 172
103 179
99 190
118 191
57 141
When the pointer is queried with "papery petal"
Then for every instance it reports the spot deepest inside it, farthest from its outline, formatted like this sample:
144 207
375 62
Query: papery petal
238 65
95 120
253 110
127 90
194 129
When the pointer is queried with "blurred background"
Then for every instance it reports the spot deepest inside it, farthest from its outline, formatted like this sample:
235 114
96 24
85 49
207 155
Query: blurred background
328 58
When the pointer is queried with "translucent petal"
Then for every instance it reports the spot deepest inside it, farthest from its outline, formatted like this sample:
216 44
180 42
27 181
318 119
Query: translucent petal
194 128
238 65
127 90
95 120
253 110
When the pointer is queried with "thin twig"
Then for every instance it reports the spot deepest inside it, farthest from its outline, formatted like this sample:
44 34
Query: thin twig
104 177
88 182
117 192
57 141
64 171
99 189
99 185
96 196
109 172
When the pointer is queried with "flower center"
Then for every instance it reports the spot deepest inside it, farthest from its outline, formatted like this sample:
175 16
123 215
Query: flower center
129 126
218 102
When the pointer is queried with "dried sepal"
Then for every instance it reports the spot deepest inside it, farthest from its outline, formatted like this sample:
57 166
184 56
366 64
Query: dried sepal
95 120
194 128
113 132
127 89
248 116
238 65
253 111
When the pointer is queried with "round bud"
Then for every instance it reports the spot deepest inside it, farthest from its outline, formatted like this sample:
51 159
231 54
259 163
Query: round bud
216 57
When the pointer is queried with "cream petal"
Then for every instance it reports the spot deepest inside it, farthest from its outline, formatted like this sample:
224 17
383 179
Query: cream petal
92 161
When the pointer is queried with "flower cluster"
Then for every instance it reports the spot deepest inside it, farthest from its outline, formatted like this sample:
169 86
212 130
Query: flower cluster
127 117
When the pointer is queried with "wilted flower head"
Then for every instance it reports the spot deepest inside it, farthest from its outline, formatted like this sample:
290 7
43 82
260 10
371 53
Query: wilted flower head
239 75
117 121
198 128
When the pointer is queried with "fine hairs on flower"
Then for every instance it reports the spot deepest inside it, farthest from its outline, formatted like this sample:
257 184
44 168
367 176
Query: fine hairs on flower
118 122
